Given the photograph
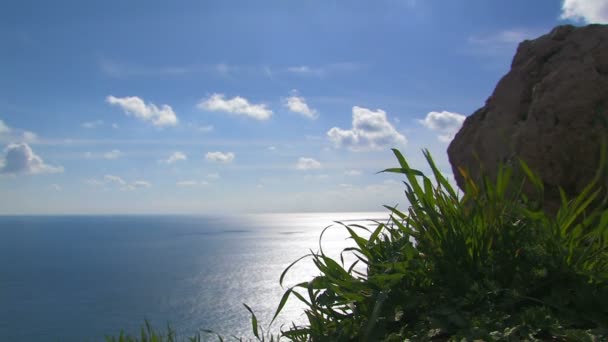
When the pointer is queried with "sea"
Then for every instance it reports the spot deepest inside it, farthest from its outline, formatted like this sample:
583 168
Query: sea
82 278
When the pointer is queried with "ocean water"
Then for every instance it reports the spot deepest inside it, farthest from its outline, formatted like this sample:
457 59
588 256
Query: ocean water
80 278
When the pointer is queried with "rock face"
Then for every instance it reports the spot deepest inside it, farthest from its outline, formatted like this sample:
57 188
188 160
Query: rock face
551 110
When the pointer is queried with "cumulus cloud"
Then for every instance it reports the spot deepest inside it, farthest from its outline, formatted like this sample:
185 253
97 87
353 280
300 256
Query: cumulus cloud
322 70
111 181
352 173
114 154
141 184
190 183
175 157
445 123
370 130
4 128
220 157
589 11
133 105
20 159
92 124
236 105
308 164
29 136
201 128
205 128
305 70
297 104
8 134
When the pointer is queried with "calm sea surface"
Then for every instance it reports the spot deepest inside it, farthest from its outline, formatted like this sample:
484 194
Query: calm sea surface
79 278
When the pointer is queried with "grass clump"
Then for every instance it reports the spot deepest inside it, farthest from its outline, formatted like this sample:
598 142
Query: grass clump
489 265
147 334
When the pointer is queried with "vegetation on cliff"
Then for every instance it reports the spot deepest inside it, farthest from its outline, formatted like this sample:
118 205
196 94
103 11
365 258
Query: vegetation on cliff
486 265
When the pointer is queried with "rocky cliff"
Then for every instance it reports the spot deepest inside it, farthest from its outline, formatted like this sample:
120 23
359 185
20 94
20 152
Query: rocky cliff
550 109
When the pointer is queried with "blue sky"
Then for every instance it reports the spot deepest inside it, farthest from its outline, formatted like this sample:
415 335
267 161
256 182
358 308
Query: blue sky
243 106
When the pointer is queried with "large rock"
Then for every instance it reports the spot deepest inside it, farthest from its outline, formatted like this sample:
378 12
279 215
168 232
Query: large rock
551 110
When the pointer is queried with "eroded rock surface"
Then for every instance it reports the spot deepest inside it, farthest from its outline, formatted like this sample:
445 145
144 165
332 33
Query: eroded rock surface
551 110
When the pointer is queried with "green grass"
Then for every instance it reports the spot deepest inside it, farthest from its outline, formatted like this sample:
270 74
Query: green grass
147 334
487 265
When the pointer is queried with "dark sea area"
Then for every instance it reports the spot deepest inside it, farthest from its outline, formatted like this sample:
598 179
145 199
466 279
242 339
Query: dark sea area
80 278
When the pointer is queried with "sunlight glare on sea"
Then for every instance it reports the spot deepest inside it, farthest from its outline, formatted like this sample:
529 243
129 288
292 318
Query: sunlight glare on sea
75 278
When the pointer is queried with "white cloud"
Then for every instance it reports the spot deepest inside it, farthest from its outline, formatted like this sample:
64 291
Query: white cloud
175 156
124 70
29 136
297 104
116 181
141 184
352 173
135 185
307 164
391 182
589 11
109 155
20 159
4 128
8 134
133 105
186 183
445 123
323 70
301 68
202 128
205 128
113 179
114 154
370 130
306 70
236 105
220 157
92 124
55 187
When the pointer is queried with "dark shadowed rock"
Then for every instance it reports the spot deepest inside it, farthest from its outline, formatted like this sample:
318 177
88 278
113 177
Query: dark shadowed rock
551 110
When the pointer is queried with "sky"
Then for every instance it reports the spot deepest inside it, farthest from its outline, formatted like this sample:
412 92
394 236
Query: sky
224 107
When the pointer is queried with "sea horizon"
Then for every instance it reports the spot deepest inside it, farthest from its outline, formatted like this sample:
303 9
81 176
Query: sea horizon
82 277
195 214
